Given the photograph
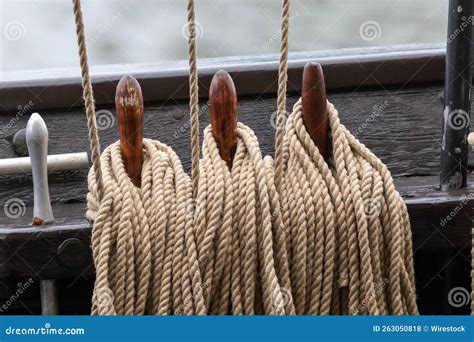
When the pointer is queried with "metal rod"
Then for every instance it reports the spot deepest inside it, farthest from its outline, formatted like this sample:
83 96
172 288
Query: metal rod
37 142
55 162
457 99
49 297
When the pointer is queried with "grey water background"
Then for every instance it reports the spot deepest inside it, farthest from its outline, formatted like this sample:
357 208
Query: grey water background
40 33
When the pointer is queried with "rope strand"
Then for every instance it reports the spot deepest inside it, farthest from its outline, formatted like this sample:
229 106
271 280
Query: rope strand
282 86
88 96
193 96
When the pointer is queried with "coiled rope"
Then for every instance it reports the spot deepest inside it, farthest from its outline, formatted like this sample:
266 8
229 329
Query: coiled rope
222 243
142 240
348 233
241 240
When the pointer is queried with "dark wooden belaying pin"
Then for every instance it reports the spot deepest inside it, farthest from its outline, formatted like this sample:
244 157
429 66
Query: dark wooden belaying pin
129 106
223 111
314 102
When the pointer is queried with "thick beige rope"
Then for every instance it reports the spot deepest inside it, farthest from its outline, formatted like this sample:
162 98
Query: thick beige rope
193 96
143 239
88 96
349 237
282 86
241 241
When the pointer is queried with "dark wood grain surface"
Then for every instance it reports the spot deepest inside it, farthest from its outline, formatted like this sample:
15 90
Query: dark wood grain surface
401 125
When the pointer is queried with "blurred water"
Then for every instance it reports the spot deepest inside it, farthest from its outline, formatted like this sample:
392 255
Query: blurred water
40 33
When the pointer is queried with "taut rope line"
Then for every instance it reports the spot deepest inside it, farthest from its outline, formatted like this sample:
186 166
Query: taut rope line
88 98
193 96
282 86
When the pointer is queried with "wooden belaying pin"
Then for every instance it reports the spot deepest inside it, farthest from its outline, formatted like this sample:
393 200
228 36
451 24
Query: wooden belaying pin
314 102
223 111
129 106
37 142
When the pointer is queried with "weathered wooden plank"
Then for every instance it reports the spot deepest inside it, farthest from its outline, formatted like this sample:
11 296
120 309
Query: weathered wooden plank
344 68
402 126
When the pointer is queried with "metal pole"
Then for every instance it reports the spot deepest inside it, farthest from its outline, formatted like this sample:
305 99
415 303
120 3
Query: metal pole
457 99
37 141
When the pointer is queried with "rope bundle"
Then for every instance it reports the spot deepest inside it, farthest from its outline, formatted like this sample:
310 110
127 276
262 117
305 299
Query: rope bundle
224 242
348 233
143 244
240 239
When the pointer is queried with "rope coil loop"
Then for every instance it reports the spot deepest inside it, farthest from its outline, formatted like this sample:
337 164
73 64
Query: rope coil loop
349 237
143 242
241 242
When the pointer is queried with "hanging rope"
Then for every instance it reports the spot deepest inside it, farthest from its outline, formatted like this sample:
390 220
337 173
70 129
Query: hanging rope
193 96
88 97
143 243
224 242
282 85
241 241
349 237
